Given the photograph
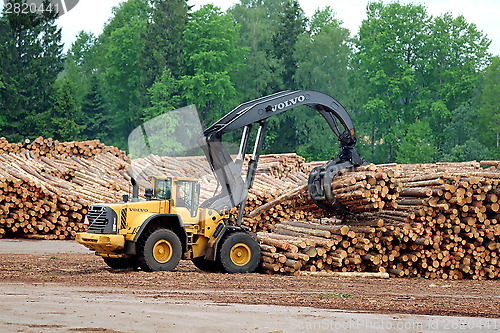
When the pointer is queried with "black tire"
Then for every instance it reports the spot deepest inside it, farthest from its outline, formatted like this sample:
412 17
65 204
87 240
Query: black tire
120 263
206 265
239 253
159 250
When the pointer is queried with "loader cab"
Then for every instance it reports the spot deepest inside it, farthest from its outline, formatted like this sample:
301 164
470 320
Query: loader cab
184 192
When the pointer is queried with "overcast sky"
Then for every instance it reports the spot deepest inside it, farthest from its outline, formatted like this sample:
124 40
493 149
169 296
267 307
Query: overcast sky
91 15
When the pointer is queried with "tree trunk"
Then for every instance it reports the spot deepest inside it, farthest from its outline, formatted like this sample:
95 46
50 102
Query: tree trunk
389 153
373 140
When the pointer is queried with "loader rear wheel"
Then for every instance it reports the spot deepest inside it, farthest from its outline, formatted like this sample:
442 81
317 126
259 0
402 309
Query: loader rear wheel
239 253
120 263
159 250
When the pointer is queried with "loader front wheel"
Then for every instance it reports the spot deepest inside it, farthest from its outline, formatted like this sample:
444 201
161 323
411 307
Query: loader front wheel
159 250
239 253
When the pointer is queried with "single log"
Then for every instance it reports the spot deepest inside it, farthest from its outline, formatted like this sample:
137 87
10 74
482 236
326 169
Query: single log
379 275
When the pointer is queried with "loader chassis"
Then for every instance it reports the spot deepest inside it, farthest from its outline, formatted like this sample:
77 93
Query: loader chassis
155 234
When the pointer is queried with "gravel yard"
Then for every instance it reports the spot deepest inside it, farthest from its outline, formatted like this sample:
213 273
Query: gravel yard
65 273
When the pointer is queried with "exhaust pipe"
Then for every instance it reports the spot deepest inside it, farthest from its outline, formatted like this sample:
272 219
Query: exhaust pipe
135 190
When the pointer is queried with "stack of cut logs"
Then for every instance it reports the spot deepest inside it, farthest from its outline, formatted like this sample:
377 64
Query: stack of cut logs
47 198
50 148
438 221
281 165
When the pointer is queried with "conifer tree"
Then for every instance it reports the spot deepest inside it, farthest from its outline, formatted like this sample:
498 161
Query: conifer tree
31 56
94 112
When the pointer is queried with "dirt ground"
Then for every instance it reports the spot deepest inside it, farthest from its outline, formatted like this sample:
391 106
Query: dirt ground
58 270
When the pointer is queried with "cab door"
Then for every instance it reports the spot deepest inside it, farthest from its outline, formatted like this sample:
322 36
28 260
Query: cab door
187 201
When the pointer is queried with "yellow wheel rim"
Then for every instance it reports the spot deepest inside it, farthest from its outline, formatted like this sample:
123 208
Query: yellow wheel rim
240 254
162 251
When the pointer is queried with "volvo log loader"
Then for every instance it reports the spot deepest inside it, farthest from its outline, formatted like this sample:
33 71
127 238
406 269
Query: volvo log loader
171 224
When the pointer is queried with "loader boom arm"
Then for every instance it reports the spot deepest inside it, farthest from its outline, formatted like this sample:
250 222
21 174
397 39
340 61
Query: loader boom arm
228 172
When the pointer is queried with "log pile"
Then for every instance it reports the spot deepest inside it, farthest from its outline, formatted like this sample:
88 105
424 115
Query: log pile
365 189
49 148
45 194
281 166
304 246
437 221
451 216
47 198
264 210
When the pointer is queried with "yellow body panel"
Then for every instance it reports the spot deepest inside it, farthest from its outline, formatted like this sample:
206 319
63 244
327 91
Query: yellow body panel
101 243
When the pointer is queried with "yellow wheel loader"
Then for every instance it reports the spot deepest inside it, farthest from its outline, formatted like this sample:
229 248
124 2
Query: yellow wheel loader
171 224
168 226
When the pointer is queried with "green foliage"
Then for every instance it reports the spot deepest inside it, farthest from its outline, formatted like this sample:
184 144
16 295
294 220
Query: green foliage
83 59
417 67
322 58
438 117
163 96
123 48
85 68
471 150
95 112
61 122
489 112
316 141
458 51
163 43
418 88
461 127
262 73
83 52
3 118
417 146
213 56
389 53
322 55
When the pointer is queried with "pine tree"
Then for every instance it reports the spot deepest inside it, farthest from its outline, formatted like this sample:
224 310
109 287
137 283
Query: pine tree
163 96
62 121
94 113
31 57
291 26
163 48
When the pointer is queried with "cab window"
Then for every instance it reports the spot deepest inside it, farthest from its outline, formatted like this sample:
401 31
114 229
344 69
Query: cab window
163 189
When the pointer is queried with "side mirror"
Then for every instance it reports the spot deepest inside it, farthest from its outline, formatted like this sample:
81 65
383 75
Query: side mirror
148 193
